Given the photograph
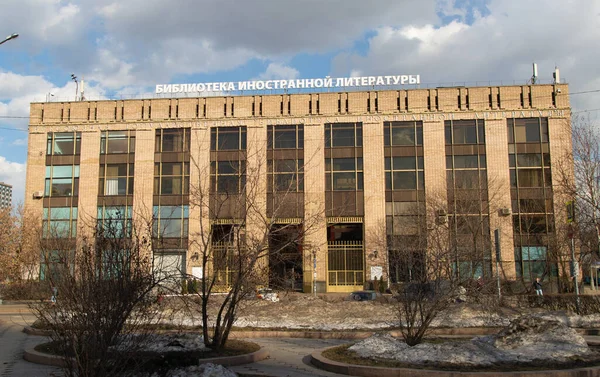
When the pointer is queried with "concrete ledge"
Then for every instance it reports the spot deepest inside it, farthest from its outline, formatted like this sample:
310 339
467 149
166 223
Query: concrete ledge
37 357
337 334
317 359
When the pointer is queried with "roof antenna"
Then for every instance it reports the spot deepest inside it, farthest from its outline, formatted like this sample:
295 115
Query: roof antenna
535 74
556 75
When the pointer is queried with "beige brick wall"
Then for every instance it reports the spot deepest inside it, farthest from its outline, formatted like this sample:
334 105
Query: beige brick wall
271 106
256 192
89 164
357 103
388 101
496 150
559 130
143 187
374 196
417 100
541 96
199 220
448 99
510 97
299 103
243 106
479 98
328 103
315 240
36 170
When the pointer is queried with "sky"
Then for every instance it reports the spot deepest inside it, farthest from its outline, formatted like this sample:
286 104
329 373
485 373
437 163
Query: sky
123 48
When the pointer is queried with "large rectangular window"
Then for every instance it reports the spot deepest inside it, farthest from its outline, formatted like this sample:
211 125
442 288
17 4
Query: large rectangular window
63 143
228 177
227 138
170 221
343 135
403 134
404 173
62 180
459 132
117 142
343 174
59 222
172 140
116 179
285 175
171 178
114 221
285 137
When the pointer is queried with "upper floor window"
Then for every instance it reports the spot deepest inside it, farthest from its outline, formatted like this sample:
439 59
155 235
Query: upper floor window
404 173
62 180
285 137
172 140
227 138
403 133
343 135
171 178
464 132
343 174
117 142
285 175
116 179
63 143
527 130
228 177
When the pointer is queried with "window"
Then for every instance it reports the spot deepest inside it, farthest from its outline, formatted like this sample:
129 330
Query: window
114 221
112 142
170 221
171 178
285 137
531 261
55 263
227 138
285 175
527 130
172 140
343 174
59 222
464 132
228 177
403 133
64 143
343 135
404 173
116 179
62 180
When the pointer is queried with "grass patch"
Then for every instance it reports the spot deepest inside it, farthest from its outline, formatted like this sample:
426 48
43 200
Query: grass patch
343 355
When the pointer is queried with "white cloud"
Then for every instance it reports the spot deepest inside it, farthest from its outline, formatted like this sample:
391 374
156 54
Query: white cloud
278 71
497 47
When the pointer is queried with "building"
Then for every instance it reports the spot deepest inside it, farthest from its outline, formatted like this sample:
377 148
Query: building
361 165
5 195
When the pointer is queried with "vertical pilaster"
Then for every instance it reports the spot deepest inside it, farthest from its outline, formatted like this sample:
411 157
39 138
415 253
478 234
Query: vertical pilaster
374 194
199 219
315 223
498 174
87 207
256 195
143 187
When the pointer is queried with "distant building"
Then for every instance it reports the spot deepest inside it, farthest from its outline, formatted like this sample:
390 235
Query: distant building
5 195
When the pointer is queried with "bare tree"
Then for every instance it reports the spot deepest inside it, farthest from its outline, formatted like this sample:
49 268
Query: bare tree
239 232
103 298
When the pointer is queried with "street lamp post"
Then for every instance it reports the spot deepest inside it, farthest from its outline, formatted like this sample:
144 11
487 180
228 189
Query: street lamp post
12 36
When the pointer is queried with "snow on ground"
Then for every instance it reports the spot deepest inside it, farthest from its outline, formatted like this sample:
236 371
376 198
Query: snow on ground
307 312
526 339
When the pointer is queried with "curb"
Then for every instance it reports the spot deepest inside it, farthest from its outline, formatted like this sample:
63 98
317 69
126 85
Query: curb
37 357
319 361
